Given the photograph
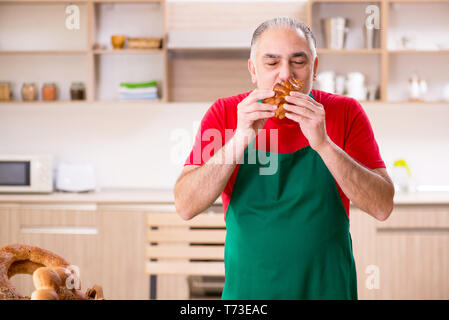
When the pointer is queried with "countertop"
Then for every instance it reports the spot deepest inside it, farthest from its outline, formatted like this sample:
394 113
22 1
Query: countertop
165 196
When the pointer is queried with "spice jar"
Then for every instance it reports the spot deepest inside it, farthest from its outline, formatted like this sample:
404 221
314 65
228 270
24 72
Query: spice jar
49 92
77 91
29 92
5 91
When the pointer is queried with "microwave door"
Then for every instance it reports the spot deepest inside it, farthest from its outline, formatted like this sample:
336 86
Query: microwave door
15 173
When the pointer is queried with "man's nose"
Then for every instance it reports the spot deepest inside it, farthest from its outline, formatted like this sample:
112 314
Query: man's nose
285 71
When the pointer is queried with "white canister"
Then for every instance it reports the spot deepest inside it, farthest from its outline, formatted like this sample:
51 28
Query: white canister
446 92
326 81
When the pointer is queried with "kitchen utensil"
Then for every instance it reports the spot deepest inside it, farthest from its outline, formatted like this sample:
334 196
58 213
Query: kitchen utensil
369 37
335 32
372 90
118 41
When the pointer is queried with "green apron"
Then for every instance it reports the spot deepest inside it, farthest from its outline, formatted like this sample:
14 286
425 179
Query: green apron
287 233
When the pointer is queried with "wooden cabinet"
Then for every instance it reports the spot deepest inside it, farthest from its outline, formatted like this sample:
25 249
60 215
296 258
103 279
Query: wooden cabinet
71 231
123 252
75 45
5 225
404 257
212 52
106 243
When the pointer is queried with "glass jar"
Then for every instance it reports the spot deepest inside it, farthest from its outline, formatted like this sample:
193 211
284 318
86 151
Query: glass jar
49 92
29 92
5 91
77 91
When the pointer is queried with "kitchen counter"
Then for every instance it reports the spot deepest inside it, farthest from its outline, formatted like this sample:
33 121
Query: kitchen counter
165 196
104 196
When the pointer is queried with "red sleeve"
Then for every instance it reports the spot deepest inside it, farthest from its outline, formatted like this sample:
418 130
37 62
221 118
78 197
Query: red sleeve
210 135
360 143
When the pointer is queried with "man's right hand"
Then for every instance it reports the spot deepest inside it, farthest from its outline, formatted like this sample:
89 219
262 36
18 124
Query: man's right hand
252 115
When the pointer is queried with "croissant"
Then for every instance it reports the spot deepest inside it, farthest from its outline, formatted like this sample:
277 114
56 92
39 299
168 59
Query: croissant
282 90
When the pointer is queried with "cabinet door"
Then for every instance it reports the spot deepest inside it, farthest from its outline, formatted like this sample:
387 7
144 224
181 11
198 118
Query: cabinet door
70 231
6 234
363 233
413 253
410 252
123 253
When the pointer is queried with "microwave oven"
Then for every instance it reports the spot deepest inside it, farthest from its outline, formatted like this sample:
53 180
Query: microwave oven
26 173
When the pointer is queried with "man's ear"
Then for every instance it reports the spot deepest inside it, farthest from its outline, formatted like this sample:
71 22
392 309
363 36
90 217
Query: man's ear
252 71
315 68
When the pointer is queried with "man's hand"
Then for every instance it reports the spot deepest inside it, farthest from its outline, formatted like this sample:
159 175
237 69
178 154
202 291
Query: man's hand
252 115
311 118
367 189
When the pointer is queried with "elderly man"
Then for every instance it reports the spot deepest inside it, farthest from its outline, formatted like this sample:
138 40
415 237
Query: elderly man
288 231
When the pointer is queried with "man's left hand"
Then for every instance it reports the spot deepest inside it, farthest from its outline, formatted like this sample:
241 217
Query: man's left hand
311 118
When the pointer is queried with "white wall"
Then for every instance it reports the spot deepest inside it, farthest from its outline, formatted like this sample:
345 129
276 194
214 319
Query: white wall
134 145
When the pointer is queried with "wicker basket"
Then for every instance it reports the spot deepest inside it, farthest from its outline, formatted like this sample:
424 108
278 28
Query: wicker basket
144 43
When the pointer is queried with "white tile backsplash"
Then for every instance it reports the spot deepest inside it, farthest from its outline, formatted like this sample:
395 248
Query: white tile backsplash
139 146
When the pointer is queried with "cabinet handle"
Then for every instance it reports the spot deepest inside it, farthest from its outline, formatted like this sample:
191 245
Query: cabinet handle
413 230
60 206
60 230
138 207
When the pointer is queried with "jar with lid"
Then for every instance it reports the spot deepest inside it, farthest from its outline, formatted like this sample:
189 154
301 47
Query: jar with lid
29 91
77 91
49 92
5 91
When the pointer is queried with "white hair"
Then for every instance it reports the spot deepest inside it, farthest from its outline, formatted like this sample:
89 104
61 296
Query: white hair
282 22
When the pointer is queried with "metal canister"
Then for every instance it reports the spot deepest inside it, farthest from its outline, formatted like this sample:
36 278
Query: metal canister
335 32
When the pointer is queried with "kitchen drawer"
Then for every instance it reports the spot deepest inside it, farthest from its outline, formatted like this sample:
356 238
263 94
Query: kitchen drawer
404 257
49 215
418 219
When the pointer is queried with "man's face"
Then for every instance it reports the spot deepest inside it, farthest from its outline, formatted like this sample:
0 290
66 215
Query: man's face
282 53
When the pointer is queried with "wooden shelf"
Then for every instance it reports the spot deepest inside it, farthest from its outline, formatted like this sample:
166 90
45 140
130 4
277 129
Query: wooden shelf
79 102
209 48
81 1
45 1
409 51
352 51
344 1
43 52
124 1
127 51
211 69
40 102
416 1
